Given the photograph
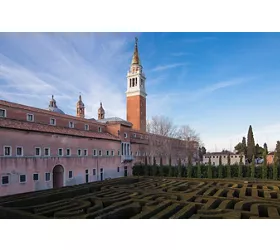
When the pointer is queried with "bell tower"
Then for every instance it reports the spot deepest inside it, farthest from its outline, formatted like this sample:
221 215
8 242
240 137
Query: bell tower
136 93
80 108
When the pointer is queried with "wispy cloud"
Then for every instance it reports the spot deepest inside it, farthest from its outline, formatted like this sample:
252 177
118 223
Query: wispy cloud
39 65
167 66
197 40
180 54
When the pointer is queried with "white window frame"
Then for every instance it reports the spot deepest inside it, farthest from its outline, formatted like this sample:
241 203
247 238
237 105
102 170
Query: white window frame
71 126
86 127
21 150
100 150
119 152
54 121
125 135
99 129
112 153
46 176
94 172
85 154
40 152
33 177
69 151
5 113
29 114
61 151
79 150
5 184
22 182
4 151
69 174
94 152
107 152
48 151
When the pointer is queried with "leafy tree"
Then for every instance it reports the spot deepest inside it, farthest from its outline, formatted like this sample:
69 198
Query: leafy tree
259 151
264 165
241 147
277 153
201 152
253 167
250 144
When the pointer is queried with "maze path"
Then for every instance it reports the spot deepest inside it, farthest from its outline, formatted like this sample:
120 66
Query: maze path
145 198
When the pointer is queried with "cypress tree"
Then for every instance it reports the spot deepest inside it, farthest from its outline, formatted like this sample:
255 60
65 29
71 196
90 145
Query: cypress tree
228 167
250 144
220 168
179 168
199 171
253 167
240 167
265 148
209 171
244 146
170 174
275 166
264 166
189 171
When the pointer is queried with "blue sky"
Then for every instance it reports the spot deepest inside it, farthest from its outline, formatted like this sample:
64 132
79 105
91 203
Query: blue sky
218 83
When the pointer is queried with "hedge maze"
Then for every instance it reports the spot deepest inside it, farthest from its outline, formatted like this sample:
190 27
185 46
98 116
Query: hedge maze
149 198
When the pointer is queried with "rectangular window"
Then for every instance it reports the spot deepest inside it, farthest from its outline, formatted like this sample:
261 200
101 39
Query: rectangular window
19 151
112 152
94 171
134 135
22 178
118 169
35 177
71 124
52 121
100 152
7 151
101 170
60 152
86 127
68 151
125 135
119 152
99 129
107 152
5 180
47 176
38 151
30 117
3 113
94 152
47 151
85 152
79 152
70 174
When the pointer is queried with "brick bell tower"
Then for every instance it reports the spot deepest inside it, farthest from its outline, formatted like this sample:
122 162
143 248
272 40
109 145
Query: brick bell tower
136 93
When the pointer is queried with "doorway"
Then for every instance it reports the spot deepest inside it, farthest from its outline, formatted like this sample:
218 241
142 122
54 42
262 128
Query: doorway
125 171
58 176
86 175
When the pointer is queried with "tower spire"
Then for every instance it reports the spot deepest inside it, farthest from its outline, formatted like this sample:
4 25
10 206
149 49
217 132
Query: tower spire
135 58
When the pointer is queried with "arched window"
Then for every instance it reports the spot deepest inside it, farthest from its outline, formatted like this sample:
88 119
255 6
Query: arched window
133 82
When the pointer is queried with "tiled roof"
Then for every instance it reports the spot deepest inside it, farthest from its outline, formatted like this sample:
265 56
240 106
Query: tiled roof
114 119
221 153
44 111
30 126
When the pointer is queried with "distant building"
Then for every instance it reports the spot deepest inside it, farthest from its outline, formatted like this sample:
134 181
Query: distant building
215 156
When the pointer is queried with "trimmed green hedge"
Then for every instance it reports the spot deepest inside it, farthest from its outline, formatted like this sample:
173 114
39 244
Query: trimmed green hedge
208 171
